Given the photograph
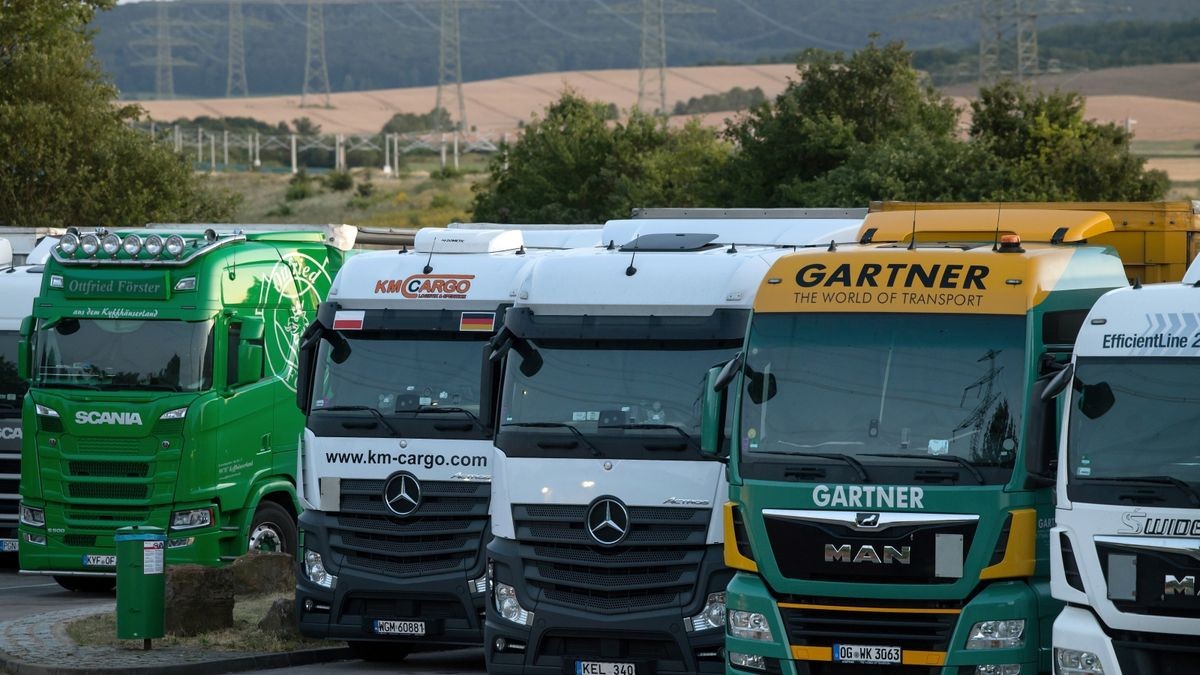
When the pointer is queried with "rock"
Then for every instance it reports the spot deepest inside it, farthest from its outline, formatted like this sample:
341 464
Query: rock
263 573
199 599
280 620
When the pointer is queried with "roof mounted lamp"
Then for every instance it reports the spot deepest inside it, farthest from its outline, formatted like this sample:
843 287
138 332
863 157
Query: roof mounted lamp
111 243
174 245
69 243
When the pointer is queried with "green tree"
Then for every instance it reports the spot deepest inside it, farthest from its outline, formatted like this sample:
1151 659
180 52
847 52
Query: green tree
574 166
68 155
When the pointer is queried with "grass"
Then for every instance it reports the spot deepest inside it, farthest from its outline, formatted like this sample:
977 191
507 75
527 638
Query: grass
1184 190
418 197
1189 148
100 630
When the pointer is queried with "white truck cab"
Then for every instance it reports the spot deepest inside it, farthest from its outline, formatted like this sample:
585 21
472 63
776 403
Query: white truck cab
397 455
1125 550
606 552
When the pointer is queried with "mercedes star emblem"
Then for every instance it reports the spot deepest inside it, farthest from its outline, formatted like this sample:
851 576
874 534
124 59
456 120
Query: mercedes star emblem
608 521
402 494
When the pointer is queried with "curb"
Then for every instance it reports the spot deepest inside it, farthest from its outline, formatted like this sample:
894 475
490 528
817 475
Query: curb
301 657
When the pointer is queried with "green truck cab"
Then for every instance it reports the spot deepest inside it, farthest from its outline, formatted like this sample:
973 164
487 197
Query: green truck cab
889 451
162 369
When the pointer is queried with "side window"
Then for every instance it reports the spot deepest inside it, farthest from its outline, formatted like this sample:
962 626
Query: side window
233 345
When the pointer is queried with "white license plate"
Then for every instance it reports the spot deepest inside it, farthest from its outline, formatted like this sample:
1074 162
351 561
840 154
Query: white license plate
865 654
604 668
383 627
8 545
99 561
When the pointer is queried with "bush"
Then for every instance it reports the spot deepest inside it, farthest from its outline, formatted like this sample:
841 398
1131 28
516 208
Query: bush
299 187
339 181
365 189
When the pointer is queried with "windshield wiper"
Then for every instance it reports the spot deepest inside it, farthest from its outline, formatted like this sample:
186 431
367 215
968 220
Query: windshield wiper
69 385
1183 485
686 436
837 456
964 463
113 386
556 425
442 409
361 408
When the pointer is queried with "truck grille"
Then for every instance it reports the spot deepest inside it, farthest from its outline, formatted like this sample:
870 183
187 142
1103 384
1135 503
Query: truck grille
107 490
109 469
10 483
105 516
915 629
444 534
1156 653
656 565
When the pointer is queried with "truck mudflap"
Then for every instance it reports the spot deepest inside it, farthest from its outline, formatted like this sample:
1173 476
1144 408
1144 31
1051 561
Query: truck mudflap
564 639
365 605
812 636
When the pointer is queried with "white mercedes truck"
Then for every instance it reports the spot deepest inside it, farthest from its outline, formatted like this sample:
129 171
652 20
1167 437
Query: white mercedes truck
606 555
1125 550
396 458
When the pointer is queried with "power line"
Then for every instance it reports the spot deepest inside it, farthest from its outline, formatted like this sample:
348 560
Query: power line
450 66
316 75
235 80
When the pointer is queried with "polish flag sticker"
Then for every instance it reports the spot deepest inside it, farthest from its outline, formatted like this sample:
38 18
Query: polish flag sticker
348 320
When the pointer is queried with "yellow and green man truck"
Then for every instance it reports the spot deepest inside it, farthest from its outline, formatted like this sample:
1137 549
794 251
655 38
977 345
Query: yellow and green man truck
890 455
162 368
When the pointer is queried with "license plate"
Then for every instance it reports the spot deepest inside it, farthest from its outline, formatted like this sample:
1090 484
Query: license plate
8 545
99 561
604 668
865 654
383 627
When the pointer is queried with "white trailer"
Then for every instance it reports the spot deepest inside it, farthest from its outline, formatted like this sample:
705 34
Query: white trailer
1125 550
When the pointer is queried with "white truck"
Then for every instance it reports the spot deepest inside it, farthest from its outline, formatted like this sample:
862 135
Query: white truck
396 456
606 552
19 285
1125 550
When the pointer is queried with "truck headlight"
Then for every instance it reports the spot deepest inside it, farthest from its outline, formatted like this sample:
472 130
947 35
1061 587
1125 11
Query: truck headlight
314 569
32 517
505 599
751 661
712 616
176 414
1003 634
174 245
132 245
1076 662
749 625
191 519
69 243
89 244
44 411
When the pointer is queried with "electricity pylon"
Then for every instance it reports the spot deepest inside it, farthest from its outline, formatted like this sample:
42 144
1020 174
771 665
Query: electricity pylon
235 82
316 75
652 75
450 67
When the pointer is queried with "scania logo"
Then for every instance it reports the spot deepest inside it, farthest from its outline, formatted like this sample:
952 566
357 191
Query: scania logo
866 520
608 521
94 417
402 494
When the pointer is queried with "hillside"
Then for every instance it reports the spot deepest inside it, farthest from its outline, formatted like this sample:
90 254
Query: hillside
381 44
1149 94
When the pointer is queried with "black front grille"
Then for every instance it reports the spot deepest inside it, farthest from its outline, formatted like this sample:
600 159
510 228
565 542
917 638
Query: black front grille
1151 571
10 483
595 647
1155 653
381 607
821 627
79 539
108 469
656 565
444 534
107 490
105 516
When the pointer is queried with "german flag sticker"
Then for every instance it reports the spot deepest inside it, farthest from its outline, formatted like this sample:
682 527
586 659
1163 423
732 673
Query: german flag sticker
485 321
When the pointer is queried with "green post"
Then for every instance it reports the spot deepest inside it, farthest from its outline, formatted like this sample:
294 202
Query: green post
141 583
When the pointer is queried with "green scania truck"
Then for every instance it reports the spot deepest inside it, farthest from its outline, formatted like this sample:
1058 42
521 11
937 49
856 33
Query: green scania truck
890 453
162 370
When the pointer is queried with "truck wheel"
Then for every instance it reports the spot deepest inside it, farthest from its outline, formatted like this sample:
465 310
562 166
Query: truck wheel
273 529
87 584
379 651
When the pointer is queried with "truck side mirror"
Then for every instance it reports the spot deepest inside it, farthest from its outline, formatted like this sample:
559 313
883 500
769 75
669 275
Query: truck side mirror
253 327
712 412
1058 383
25 349
310 339
488 384
729 372
1041 442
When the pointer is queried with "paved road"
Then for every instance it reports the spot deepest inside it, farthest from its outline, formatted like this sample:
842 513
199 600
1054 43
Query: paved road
22 595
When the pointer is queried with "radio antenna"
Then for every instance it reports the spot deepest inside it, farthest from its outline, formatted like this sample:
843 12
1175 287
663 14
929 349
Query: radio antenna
996 239
631 270
428 266
912 242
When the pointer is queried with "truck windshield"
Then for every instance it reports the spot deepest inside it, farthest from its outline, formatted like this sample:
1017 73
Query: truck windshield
392 372
124 354
12 388
611 388
1133 426
925 386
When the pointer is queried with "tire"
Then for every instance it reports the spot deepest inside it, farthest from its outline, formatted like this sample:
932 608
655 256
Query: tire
379 651
272 529
87 584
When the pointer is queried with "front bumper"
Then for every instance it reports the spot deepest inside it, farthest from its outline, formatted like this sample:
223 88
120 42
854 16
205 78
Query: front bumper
656 642
933 639
1126 652
75 532
448 603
